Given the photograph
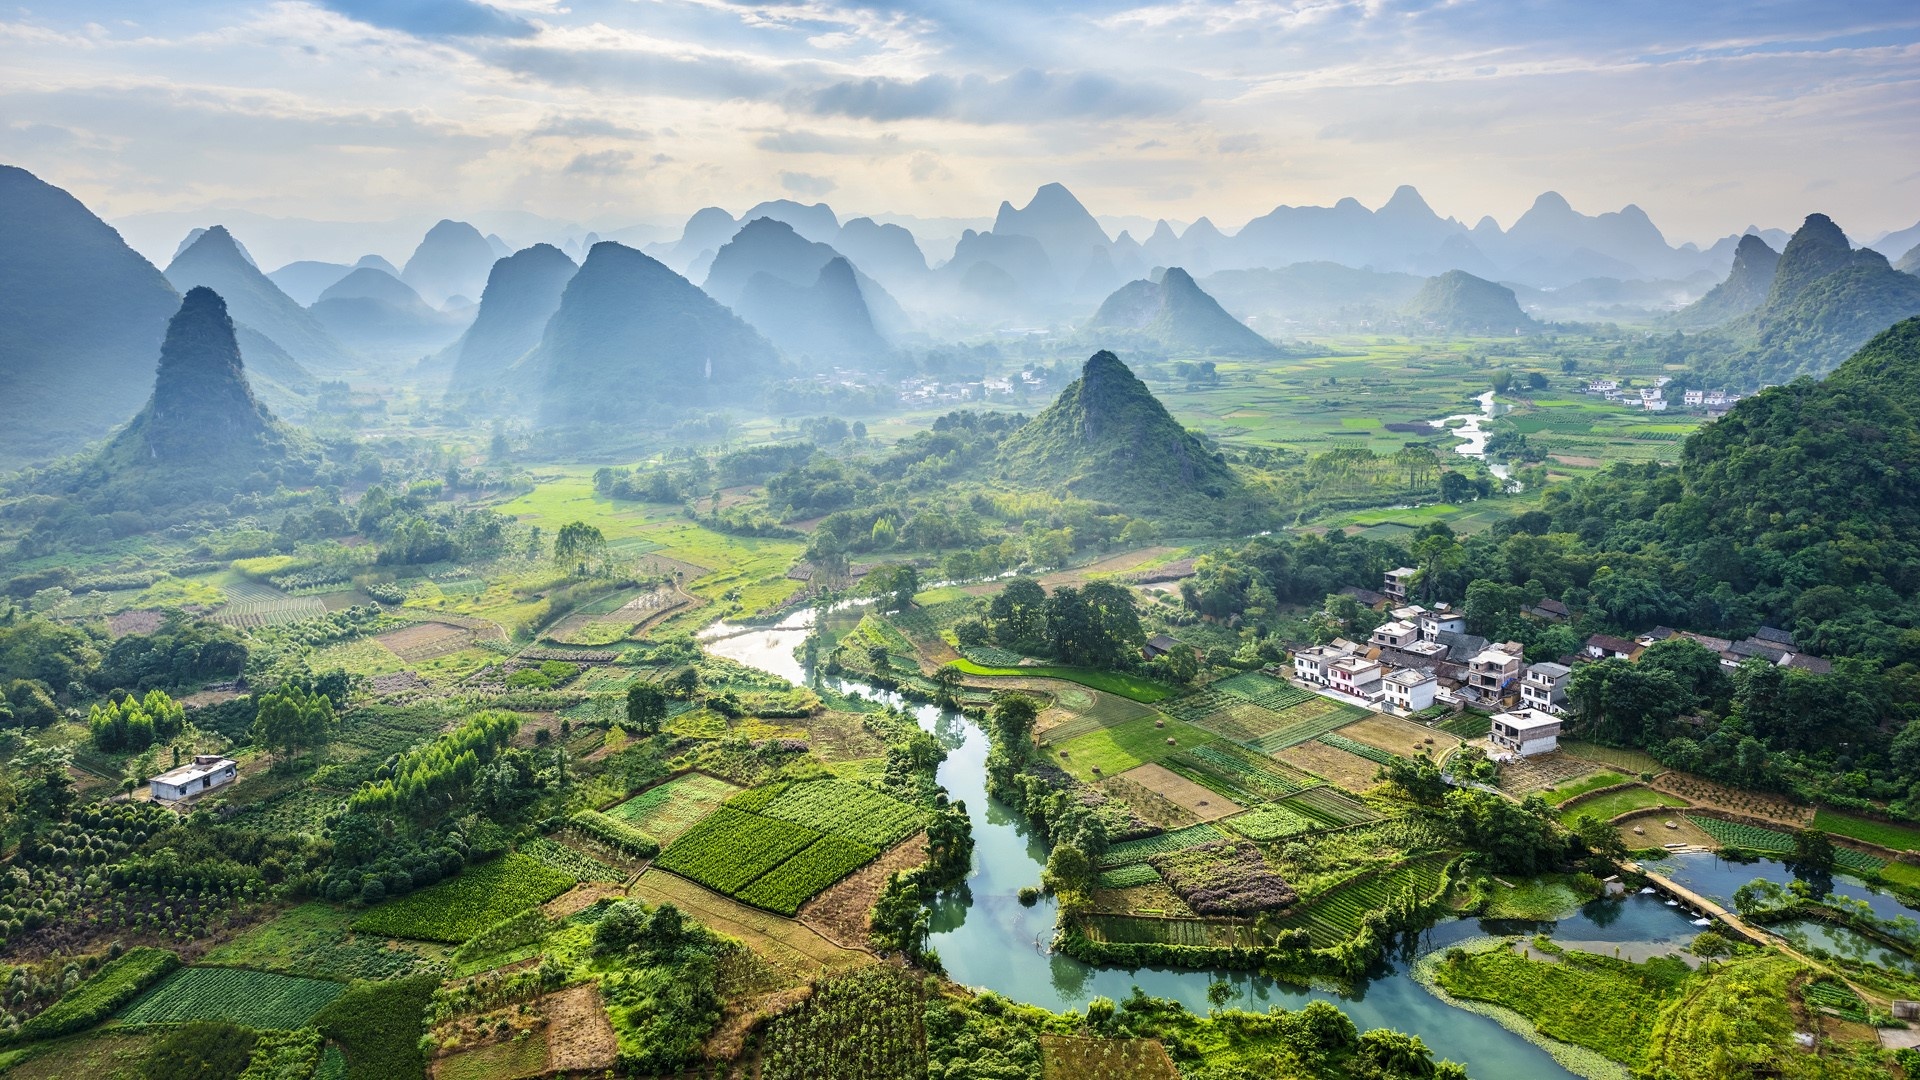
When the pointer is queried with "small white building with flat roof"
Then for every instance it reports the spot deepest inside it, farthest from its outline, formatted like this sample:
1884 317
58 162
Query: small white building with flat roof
1409 690
205 773
1526 732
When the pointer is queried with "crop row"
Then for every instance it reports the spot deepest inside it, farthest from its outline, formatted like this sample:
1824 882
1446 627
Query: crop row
454 911
730 848
120 981
579 866
1265 775
255 999
1329 807
1774 842
844 809
1138 929
1130 876
666 811
1264 690
1307 720
1336 916
615 833
1133 851
797 880
1359 749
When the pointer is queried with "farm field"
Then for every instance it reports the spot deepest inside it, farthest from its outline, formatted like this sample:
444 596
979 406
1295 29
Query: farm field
1879 833
1238 773
1203 803
1265 824
1066 1057
850 810
1759 804
1634 762
1329 807
730 848
1525 776
667 811
1754 838
788 945
456 910
1077 710
1133 851
1137 687
1611 804
256 999
1397 736
1114 750
1573 789
1359 749
318 941
1335 916
1305 720
513 1059
1349 771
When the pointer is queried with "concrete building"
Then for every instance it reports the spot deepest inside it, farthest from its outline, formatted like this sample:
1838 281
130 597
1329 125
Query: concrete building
1395 635
1310 665
1435 623
1397 581
205 773
1355 675
1544 687
1526 732
1493 677
1409 690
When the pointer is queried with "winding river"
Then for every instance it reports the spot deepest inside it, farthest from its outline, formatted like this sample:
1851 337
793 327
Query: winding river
988 940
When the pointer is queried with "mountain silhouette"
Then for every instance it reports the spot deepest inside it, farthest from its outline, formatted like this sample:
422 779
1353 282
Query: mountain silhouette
826 321
631 335
1459 303
453 259
1826 301
1746 288
256 303
1178 315
523 291
81 317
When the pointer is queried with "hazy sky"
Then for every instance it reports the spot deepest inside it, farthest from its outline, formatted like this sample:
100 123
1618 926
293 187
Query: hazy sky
1710 115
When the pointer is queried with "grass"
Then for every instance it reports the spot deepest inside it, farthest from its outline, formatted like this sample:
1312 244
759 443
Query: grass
509 1060
1137 687
317 940
1611 804
377 1027
669 810
456 910
1879 833
1606 1005
107 1055
1112 751
256 999
1579 786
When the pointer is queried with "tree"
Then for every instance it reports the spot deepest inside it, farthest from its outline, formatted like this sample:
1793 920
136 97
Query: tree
646 708
202 1049
577 547
894 584
291 719
1710 945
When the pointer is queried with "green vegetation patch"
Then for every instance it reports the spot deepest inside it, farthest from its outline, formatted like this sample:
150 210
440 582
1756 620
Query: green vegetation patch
1358 749
1137 687
1579 786
1263 690
257 999
1775 842
523 1055
1611 804
1133 851
731 848
797 880
1330 808
1307 720
317 940
667 811
1335 915
456 910
1868 831
377 1026
858 813
1112 751
119 982
1269 823
1130 876
1468 725
577 865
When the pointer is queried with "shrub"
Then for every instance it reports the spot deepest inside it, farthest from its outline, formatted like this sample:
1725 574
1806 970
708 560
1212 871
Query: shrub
119 982
378 1027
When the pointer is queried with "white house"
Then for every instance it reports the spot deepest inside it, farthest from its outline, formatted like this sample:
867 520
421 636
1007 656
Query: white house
1355 675
1395 635
1602 386
1435 623
1409 690
1492 675
1526 732
204 773
1696 398
1397 582
1544 687
1310 665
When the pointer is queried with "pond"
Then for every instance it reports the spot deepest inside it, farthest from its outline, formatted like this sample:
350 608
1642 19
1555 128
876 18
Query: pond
1809 934
988 940
1716 879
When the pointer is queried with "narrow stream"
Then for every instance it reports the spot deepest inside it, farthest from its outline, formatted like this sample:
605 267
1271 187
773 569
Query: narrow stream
1474 434
988 940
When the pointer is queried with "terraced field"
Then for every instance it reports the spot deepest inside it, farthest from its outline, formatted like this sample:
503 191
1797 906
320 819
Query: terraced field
1330 808
1335 916
1754 838
252 604
1134 851
1144 929
667 811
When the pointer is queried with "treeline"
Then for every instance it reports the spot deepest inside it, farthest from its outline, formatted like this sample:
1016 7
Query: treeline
135 723
414 783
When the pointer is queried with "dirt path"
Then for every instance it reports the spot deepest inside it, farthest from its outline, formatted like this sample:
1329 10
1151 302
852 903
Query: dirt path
578 1033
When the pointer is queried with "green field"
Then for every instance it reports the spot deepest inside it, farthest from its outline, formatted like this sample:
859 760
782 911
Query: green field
667 811
1134 851
255 999
456 910
1609 805
1114 750
1137 687
317 940
1866 830
858 813
1335 916
1579 786
730 848
1775 842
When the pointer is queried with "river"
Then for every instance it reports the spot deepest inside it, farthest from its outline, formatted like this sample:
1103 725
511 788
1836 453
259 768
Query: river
1473 432
988 940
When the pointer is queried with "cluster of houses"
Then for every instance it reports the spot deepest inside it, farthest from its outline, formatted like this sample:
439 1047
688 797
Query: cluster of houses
1654 398
1420 657
920 390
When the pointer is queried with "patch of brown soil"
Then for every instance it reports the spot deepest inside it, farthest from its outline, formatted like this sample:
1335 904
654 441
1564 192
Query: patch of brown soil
1750 804
1203 803
121 624
578 1034
581 897
840 913
1577 461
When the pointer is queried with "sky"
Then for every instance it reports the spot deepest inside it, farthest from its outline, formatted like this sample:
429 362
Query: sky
1710 115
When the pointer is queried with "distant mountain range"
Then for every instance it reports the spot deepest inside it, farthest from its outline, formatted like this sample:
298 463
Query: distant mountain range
260 308
523 291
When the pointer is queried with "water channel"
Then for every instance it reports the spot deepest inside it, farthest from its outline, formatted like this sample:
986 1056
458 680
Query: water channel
988 940
1473 432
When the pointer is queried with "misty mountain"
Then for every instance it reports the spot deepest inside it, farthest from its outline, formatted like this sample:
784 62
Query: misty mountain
1459 303
817 222
1074 242
305 280
631 336
1910 262
452 260
522 293
1106 437
1177 315
1827 299
1746 288
767 246
888 252
1896 244
1611 298
1000 276
81 317
193 237
1554 244
379 314
256 303
826 321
